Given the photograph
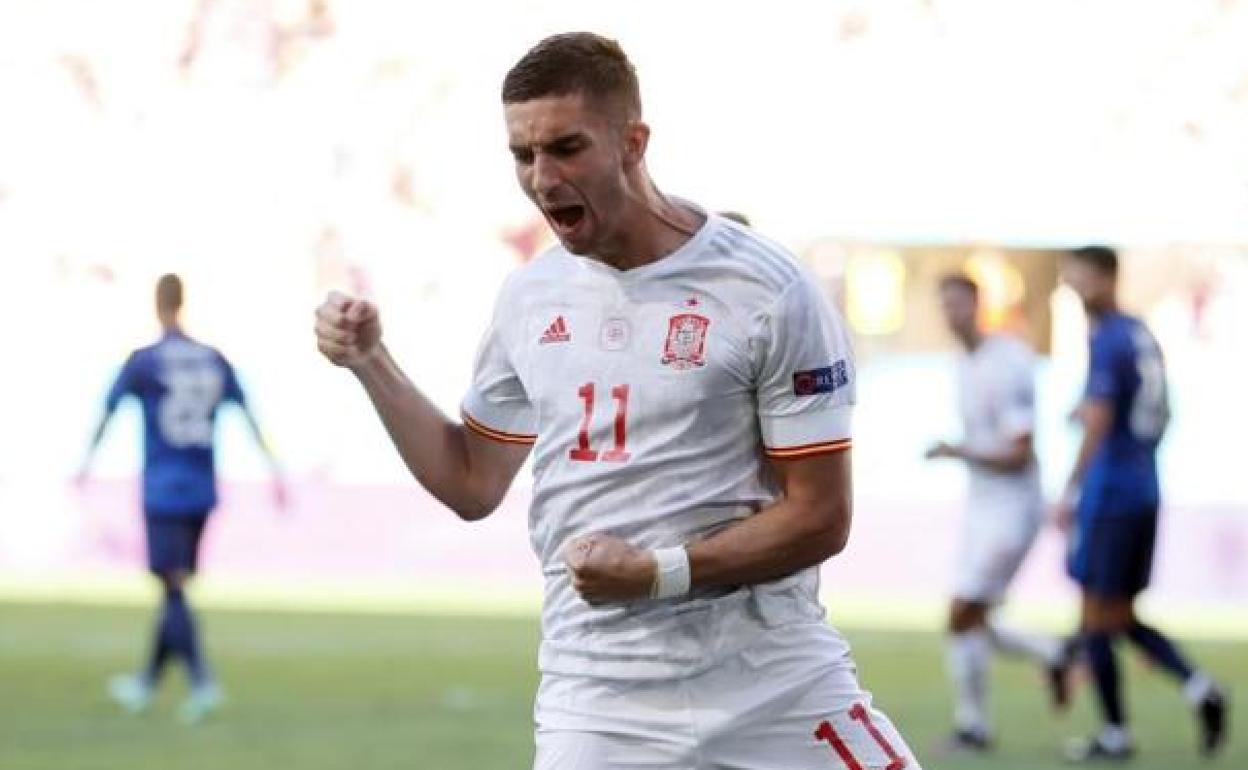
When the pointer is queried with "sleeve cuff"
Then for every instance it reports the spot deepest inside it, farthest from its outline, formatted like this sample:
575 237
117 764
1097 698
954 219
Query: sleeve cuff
514 431
807 433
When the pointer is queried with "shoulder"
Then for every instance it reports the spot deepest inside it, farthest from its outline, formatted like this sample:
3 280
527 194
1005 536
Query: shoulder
754 279
141 357
759 264
202 350
219 358
1134 327
552 267
1115 333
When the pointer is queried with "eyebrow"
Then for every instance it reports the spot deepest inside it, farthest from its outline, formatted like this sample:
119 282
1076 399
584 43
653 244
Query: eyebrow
563 139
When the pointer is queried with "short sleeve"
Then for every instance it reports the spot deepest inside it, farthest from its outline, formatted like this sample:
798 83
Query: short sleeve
231 390
124 385
497 405
1018 412
806 383
1104 380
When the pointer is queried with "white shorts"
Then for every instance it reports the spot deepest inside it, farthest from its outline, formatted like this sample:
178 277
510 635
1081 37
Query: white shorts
994 544
782 704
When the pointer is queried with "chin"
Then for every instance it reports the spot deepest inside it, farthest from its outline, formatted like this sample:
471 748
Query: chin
581 247
570 247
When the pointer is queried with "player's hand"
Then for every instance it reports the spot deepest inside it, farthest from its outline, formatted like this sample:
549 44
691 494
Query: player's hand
1076 414
940 450
348 330
281 495
1063 515
607 569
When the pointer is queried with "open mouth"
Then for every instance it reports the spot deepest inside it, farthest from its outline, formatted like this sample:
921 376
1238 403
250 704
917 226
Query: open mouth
567 217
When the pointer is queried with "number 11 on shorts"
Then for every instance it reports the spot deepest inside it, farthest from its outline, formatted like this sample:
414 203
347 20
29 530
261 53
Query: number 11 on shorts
858 713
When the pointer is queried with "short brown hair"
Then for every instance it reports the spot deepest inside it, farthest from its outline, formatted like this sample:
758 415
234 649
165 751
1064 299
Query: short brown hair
576 63
169 293
960 281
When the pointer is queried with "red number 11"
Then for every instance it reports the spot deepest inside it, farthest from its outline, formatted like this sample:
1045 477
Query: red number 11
617 453
858 713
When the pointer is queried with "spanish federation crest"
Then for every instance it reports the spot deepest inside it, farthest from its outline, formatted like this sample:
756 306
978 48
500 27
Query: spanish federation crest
685 347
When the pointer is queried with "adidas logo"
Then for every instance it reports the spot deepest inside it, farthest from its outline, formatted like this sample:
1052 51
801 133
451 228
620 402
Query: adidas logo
556 332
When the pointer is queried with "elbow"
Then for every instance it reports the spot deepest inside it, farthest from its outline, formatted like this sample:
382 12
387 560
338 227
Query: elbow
473 510
472 513
833 536
1018 463
837 539
471 499
476 504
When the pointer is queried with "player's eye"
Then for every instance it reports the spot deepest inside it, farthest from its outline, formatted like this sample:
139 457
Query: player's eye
522 155
567 148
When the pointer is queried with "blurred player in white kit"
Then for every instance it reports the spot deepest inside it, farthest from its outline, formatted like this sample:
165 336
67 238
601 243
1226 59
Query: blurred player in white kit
686 392
1004 512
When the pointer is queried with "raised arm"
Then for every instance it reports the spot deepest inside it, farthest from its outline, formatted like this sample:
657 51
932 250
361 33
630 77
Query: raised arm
467 471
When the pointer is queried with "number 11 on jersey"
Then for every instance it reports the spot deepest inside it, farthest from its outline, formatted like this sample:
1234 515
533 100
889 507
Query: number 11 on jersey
582 451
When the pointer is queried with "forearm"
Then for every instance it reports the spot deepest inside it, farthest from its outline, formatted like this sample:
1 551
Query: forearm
774 543
1097 420
96 437
1010 461
433 447
261 442
1087 448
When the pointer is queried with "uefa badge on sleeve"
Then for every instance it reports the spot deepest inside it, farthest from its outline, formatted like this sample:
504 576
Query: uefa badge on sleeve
685 347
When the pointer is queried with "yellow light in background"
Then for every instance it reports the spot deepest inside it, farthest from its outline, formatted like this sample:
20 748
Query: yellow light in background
875 287
1001 287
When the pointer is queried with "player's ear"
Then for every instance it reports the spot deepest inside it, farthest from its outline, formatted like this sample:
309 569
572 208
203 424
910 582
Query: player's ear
636 139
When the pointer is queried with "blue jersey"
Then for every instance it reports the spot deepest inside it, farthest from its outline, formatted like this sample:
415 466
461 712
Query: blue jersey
1125 370
180 384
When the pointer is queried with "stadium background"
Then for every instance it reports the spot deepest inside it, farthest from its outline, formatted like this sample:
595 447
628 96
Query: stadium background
269 150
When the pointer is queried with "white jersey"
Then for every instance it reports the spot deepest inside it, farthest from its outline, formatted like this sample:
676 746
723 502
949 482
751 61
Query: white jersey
652 396
996 395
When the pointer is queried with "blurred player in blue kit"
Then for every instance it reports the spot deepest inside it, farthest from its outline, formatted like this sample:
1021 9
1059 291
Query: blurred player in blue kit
1111 507
180 384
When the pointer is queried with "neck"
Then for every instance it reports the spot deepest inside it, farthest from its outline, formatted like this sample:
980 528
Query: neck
169 323
653 227
971 338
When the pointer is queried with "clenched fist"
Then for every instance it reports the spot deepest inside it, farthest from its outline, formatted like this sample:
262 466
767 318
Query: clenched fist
607 569
348 330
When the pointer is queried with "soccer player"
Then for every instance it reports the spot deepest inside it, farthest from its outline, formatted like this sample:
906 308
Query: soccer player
686 391
180 383
1004 511
1111 506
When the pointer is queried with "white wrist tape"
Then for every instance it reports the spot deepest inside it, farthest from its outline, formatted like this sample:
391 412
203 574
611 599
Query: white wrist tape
673 576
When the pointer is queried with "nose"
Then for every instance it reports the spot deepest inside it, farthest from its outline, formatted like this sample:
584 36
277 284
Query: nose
545 174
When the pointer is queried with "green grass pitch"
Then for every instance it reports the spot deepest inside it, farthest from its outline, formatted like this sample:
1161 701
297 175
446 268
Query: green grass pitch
371 692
